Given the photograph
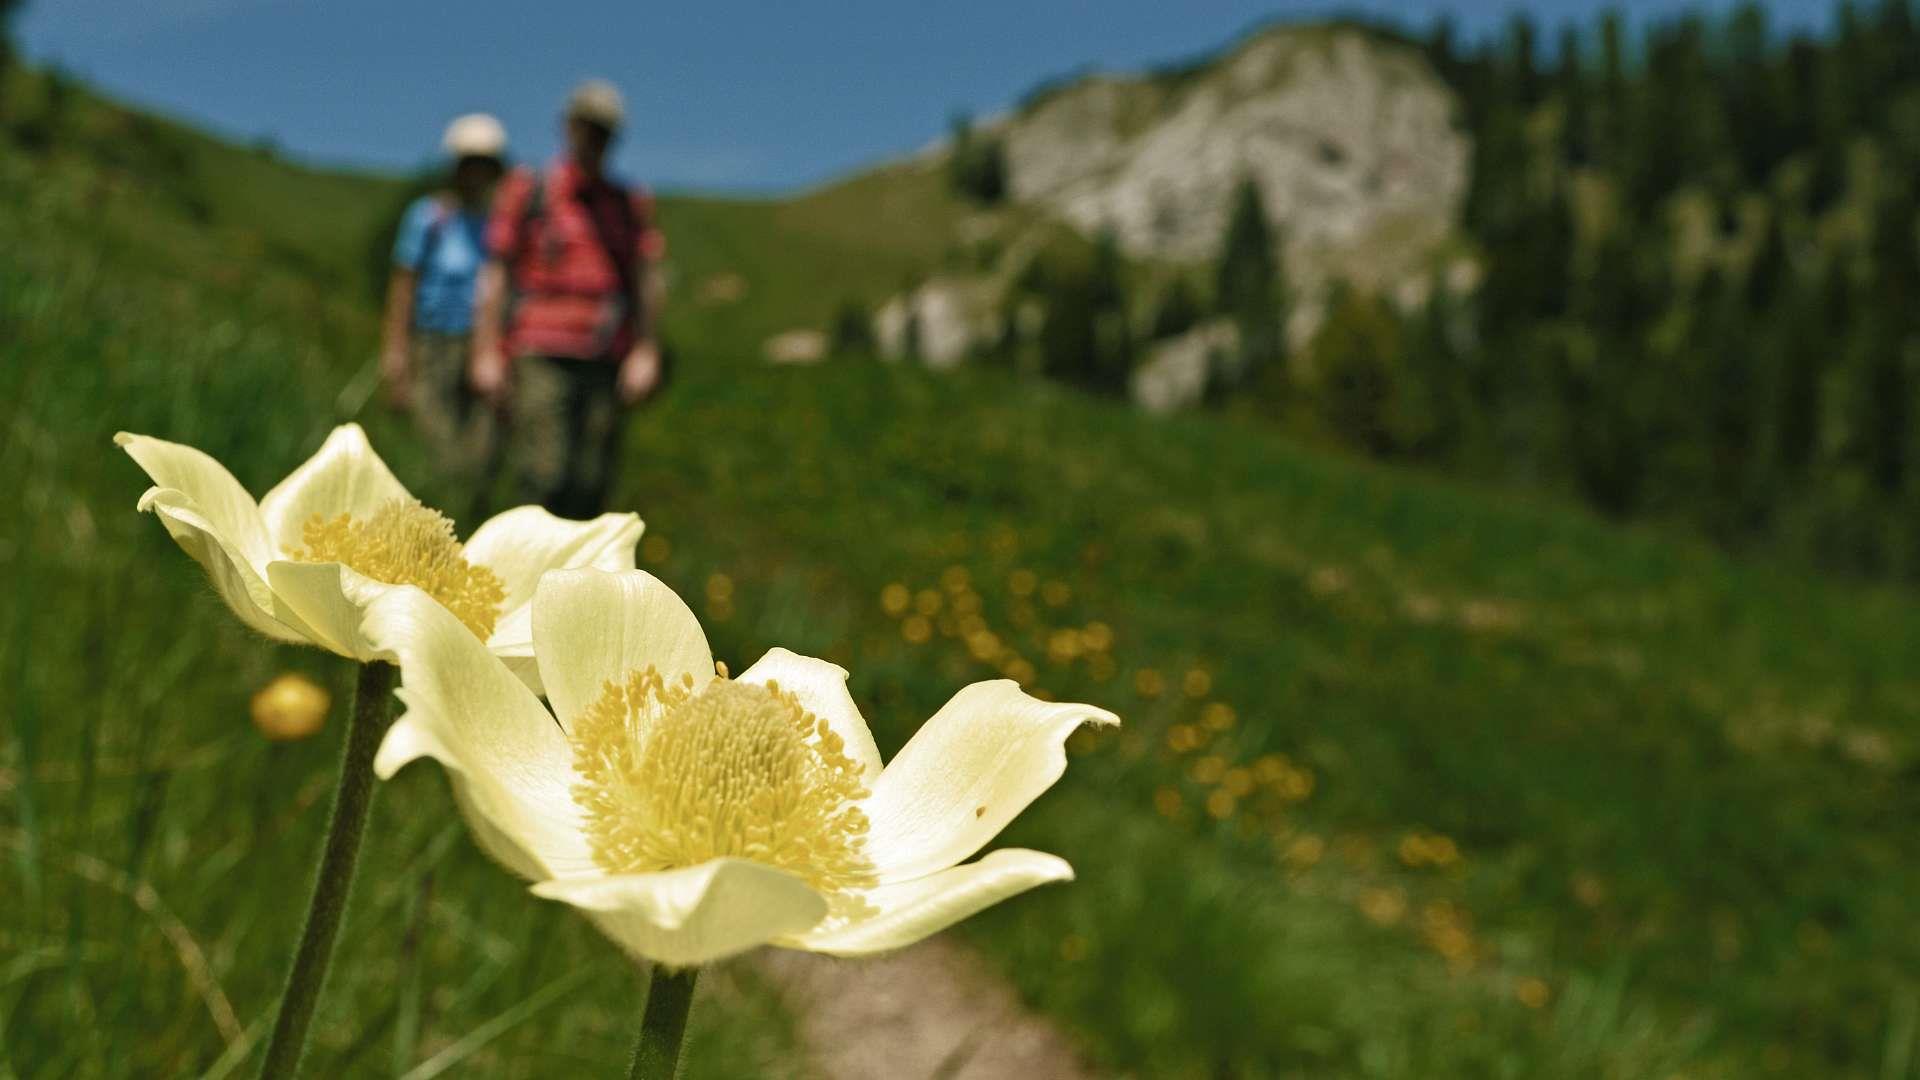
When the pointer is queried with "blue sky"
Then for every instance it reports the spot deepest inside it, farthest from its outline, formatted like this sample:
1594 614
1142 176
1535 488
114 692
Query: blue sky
728 95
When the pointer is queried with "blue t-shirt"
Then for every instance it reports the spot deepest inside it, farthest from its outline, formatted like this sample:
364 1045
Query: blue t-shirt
444 246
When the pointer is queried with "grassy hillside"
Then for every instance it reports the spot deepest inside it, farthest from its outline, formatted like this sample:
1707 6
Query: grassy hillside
1416 781
150 893
861 240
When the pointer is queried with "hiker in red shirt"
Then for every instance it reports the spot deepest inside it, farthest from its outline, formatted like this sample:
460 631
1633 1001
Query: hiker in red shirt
569 305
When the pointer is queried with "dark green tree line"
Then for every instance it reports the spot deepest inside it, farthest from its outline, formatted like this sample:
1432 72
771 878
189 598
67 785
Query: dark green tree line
1699 261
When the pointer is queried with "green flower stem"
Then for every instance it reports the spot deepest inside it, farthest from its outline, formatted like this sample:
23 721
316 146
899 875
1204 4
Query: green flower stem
366 725
664 1025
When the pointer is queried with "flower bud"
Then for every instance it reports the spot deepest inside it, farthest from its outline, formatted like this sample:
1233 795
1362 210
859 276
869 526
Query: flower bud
290 707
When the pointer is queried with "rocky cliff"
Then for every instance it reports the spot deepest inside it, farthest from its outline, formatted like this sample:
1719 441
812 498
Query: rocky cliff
1350 135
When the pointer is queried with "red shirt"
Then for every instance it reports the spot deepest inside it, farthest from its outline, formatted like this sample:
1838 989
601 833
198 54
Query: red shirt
566 295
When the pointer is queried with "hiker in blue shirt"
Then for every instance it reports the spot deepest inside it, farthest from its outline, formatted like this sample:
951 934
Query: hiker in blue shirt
429 320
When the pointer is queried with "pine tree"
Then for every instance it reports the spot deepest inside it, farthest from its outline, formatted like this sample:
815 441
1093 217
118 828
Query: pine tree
1768 275
1806 341
1355 358
1529 279
1753 116
1443 48
1831 121
1429 416
1890 329
852 333
1249 290
1602 406
1576 119
1728 343
912 348
1899 43
1614 108
1524 70
1069 333
960 152
1852 66
1682 131
1177 312
976 163
1768 310
1884 428
1112 358
1797 95
1500 168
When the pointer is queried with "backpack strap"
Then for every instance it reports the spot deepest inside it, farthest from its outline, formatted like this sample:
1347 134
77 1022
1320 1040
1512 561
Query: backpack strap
620 249
536 198
531 211
534 210
436 225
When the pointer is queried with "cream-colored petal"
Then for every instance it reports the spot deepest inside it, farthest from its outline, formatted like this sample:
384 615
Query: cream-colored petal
233 576
693 915
513 632
512 642
208 489
525 542
512 768
331 600
344 477
594 626
822 690
524 665
408 739
899 915
982 759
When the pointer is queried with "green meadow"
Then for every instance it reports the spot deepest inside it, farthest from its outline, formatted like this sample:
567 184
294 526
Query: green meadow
1416 780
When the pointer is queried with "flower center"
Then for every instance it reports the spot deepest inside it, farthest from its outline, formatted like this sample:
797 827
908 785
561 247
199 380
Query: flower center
671 778
405 543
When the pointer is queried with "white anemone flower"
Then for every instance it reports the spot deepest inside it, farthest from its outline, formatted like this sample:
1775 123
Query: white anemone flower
302 564
692 816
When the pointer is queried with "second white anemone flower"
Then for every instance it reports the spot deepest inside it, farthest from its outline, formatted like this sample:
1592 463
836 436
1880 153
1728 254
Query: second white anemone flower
302 564
693 816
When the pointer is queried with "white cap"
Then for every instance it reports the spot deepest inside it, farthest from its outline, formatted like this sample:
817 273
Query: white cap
597 101
475 135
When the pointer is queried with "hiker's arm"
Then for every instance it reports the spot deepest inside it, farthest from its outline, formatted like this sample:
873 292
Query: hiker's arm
396 338
650 295
487 367
487 370
640 371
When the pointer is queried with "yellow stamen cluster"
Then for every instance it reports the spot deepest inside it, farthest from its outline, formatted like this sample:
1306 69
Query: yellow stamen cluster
405 543
671 778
